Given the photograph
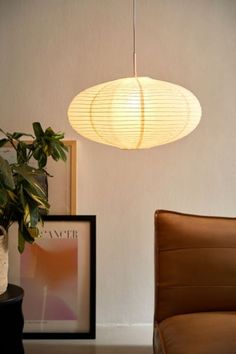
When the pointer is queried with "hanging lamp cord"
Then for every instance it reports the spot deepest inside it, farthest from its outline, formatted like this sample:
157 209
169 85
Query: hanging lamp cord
134 39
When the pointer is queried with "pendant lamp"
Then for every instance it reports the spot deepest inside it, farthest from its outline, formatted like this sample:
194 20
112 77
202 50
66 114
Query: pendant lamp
134 112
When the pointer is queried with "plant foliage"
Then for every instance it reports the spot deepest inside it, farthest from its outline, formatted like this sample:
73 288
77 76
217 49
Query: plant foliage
22 196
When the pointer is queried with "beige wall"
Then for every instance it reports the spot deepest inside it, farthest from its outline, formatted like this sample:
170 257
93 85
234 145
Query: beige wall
52 49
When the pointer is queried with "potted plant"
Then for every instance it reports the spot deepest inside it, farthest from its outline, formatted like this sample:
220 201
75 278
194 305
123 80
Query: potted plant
23 198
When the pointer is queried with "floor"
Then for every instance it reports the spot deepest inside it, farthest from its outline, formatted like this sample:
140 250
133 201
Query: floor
87 349
109 340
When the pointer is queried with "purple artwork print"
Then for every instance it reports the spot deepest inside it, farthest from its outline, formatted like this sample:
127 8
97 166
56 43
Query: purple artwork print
49 268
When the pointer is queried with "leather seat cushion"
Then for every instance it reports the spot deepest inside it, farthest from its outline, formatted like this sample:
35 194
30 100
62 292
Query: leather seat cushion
198 333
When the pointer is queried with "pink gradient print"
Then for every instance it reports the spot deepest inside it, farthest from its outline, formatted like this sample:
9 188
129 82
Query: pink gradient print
49 276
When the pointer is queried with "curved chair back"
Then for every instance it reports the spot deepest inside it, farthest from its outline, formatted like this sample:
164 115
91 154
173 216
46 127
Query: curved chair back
195 264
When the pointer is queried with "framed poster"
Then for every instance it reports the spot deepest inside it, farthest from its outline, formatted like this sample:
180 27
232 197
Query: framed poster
58 275
62 200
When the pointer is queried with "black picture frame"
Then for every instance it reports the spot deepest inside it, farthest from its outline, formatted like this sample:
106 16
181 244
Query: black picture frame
78 231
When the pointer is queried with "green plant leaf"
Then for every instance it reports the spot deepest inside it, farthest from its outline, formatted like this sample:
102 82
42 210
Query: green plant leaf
34 232
59 151
63 146
12 196
37 152
34 213
55 152
32 193
18 135
29 174
21 152
3 142
38 131
21 196
26 214
42 161
37 197
46 149
49 132
6 174
21 241
59 136
3 198
24 232
27 235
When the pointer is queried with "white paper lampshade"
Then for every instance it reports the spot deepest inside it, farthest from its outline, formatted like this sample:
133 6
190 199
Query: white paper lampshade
134 113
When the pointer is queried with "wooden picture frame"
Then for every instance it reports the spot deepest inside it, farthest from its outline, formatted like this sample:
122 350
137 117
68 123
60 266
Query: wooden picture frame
62 186
58 275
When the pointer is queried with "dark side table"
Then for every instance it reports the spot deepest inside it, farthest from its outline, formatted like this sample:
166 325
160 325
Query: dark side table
11 320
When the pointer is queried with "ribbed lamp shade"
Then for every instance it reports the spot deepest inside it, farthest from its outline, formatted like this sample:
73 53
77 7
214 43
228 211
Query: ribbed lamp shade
134 113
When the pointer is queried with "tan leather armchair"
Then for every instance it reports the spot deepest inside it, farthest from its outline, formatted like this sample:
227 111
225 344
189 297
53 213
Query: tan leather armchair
195 284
